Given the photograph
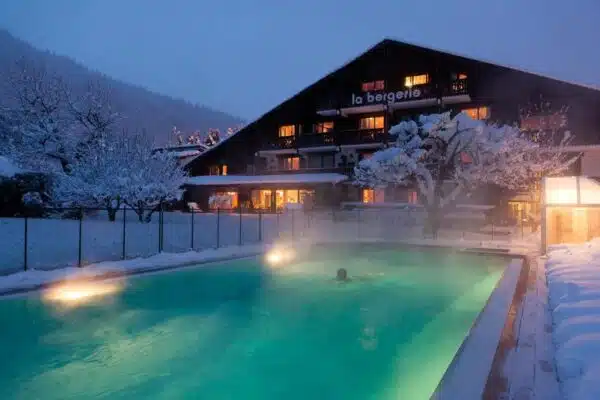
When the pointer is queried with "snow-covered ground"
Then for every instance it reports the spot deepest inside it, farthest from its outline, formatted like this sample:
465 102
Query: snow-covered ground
54 243
573 274
32 278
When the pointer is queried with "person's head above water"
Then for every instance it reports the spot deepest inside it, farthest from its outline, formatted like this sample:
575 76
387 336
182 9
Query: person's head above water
342 274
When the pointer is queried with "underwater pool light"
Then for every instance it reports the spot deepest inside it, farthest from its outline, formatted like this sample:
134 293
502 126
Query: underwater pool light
79 292
279 255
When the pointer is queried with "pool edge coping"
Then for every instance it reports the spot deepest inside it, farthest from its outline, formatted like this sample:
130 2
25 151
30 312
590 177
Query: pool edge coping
493 383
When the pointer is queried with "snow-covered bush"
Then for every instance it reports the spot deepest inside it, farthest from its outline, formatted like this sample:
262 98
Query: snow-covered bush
445 156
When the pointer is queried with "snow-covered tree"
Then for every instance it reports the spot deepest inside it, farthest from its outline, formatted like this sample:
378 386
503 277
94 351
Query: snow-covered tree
98 178
156 178
121 169
44 123
445 156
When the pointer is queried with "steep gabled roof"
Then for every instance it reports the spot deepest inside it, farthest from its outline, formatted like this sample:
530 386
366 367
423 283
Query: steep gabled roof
485 61
394 42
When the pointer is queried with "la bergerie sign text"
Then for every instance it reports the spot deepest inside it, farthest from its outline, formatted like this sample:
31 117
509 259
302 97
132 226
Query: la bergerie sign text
386 97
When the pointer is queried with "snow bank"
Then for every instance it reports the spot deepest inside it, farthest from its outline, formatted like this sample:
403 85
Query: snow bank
7 168
573 273
33 278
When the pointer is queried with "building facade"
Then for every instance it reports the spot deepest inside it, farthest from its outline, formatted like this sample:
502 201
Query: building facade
327 128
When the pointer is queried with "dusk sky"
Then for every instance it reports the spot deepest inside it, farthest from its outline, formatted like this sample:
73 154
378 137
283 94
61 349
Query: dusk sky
246 56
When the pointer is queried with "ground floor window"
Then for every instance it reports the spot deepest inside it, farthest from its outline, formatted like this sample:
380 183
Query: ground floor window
523 209
223 201
413 198
263 199
373 196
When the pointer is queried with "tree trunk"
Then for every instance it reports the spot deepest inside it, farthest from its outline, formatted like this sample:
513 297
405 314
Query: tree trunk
433 220
148 216
112 214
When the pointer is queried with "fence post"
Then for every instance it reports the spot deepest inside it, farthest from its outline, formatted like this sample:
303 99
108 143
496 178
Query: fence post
277 219
293 235
240 236
259 226
358 223
522 220
192 235
218 226
80 237
160 228
124 230
25 244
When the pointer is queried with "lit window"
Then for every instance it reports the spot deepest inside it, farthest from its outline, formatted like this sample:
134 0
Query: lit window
414 80
478 112
324 127
371 123
287 130
223 200
373 196
413 197
224 169
373 85
459 76
261 199
291 163
368 196
288 196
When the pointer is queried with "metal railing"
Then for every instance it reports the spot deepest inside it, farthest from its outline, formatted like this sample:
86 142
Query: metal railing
79 237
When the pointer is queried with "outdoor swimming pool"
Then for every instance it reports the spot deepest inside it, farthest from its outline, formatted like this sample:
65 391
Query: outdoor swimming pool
243 330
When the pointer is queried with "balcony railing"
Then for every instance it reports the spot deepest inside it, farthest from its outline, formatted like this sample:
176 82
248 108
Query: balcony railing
317 139
348 169
281 143
337 138
457 87
362 136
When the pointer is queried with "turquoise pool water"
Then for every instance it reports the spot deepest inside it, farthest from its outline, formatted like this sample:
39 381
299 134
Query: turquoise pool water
241 330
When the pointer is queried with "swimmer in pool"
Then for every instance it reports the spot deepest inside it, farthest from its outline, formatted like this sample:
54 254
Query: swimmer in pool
342 275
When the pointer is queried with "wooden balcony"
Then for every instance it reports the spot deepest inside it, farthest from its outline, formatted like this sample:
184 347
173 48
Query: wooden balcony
280 143
457 87
261 170
362 136
332 138
317 139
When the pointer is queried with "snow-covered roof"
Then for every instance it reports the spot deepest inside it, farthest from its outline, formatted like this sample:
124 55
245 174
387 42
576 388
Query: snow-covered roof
222 180
7 168
186 153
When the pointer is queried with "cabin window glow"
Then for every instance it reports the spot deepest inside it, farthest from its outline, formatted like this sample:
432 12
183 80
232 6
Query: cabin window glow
480 113
290 163
413 80
287 130
371 123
